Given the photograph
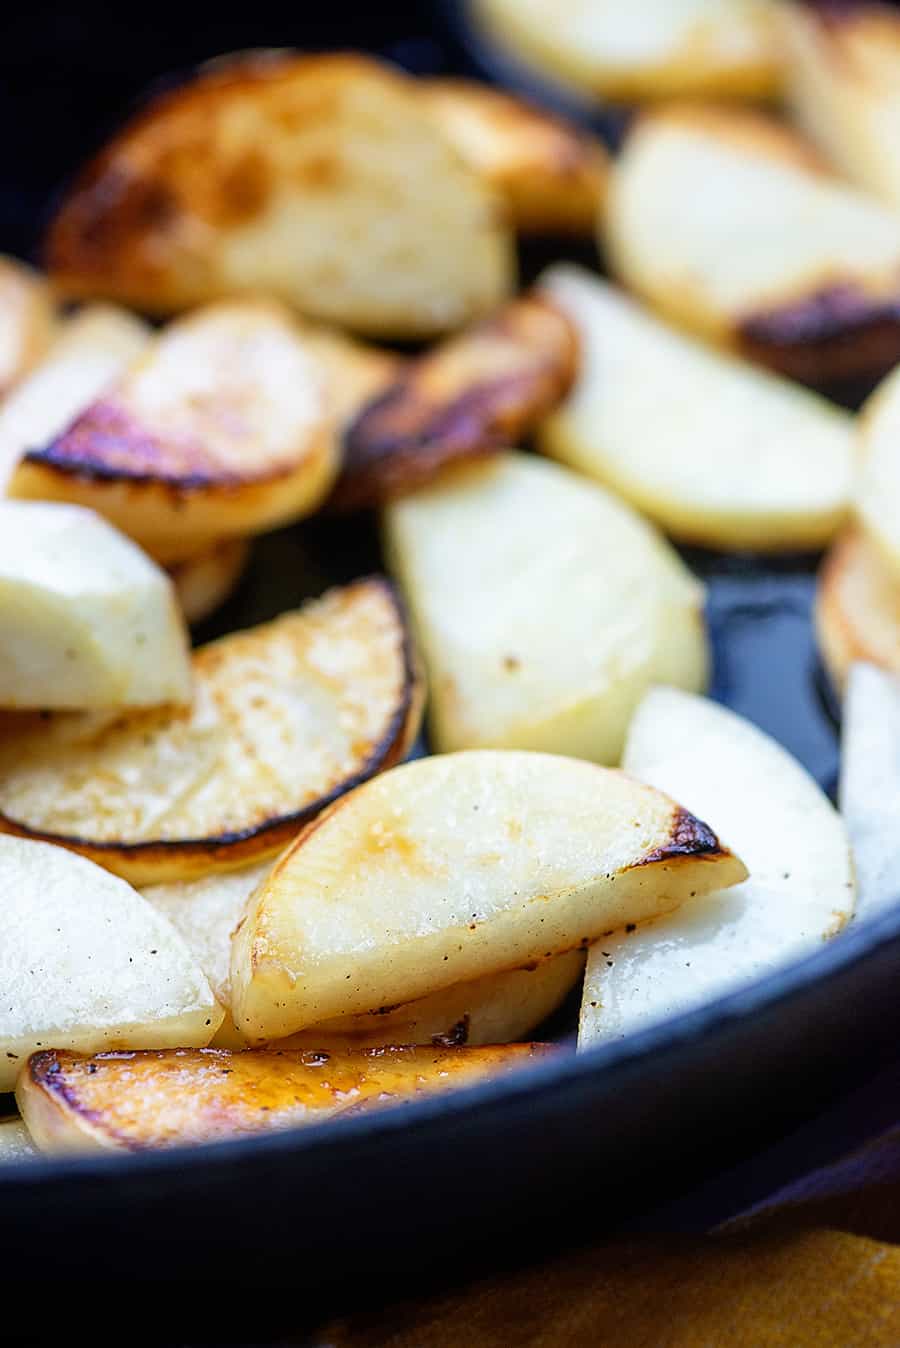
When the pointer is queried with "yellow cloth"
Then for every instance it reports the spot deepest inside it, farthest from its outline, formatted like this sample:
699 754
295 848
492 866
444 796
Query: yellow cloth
794 1275
796 1290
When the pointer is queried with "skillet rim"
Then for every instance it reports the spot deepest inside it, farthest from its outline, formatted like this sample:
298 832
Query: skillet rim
853 947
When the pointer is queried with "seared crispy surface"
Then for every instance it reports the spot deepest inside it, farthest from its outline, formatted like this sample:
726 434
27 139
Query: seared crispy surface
313 178
222 427
142 1100
839 333
285 717
477 392
551 173
227 393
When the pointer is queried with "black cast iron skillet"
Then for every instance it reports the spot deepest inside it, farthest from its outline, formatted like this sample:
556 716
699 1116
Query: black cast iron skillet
381 1205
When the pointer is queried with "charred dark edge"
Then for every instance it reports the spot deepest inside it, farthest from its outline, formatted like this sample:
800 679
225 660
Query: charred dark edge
370 490
688 837
840 13
46 1072
371 466
456 1037
88 470
270 834
835 333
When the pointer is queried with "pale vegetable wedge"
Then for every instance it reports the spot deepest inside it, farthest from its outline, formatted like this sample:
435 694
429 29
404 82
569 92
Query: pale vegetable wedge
221 428
355 371
139 1101
15 1142
869 793
730 226
550 173
878 491
544 608
494 1009
205 912
90 352
799 893
87 620
453 867
489 1010
857 610
87 964
317 179
843 87
203 583
642 49
284 718
716 451
27 321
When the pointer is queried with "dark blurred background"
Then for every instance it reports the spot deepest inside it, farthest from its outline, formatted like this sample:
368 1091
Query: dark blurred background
68 73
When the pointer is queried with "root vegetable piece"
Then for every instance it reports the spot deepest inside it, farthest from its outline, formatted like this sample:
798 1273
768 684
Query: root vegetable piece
355 371
869 789
799 893
137 1101
285 717
87 964
489 1010
550 173
87 620
645 49
475 393
317 179
27 321
221 428
454 867
714 450
842 76
495 1009
92 349
729 225
544 608
205 912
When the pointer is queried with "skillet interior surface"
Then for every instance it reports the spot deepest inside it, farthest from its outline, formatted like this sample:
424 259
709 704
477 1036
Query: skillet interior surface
448 1187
